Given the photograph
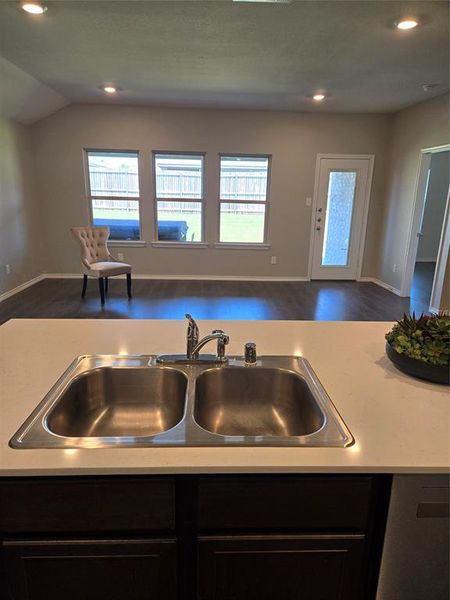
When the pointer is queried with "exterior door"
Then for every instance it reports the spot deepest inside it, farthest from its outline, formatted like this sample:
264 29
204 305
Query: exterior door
343 188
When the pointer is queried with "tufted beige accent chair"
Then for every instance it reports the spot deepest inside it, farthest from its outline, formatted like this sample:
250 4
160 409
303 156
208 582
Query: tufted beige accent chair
96 259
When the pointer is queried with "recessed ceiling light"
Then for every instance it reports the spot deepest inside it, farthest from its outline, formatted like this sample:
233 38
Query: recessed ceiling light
319 97
34 7
109 89
407 24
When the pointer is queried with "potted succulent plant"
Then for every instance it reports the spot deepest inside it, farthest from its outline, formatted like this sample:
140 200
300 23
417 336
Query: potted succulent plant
421 346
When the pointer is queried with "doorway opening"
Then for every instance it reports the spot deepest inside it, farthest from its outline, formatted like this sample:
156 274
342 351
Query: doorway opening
429 245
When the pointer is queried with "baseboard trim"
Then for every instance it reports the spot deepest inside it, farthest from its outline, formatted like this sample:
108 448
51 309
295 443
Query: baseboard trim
382 284
63 276
21 287
186 277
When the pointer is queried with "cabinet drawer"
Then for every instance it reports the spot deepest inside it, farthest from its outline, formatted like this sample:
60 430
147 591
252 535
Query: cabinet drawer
86 505
289 567
284 502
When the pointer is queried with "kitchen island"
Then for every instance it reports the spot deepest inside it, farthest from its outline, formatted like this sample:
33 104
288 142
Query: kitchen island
214 523
400 424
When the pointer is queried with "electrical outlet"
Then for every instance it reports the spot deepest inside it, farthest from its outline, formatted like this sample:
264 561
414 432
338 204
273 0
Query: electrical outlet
394 268
308 201
120 256
8 269
273 260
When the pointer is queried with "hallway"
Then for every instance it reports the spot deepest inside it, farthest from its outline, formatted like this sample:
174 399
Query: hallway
422 283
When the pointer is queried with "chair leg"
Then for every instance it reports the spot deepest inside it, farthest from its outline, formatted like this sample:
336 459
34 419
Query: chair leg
101 287
129 285
83 291
106 285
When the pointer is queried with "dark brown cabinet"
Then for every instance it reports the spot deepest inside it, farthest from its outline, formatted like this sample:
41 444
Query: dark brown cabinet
310 567
91 569
230 537
285 502
77 505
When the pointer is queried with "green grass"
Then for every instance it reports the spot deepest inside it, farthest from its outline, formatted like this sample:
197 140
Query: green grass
244 227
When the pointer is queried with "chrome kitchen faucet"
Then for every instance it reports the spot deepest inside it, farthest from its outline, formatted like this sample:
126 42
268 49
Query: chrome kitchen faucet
194 345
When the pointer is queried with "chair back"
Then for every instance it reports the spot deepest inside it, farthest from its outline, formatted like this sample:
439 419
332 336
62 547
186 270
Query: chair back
93 243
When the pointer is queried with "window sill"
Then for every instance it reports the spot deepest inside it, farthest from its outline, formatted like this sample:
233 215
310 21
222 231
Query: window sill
136 243
179 245
241 246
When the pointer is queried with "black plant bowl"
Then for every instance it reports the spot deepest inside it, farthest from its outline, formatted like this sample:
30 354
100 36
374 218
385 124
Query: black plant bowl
418 368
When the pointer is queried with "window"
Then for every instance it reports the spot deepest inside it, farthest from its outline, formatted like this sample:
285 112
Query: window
243 198
114 192
179 196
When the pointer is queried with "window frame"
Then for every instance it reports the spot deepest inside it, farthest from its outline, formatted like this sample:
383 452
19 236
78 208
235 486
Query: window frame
176 243
265 244
89 197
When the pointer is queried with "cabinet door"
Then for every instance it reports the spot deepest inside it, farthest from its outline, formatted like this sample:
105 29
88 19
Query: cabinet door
319 567
91 569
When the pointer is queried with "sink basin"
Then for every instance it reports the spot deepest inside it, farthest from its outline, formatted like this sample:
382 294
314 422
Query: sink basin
107 402
256 402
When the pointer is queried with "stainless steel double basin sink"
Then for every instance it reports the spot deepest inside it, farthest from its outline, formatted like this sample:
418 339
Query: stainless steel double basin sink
131 401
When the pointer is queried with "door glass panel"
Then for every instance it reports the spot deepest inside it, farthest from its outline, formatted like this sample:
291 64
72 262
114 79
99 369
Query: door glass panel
338 222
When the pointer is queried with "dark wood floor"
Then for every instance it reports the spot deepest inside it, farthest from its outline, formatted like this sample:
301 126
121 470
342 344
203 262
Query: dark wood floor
169 299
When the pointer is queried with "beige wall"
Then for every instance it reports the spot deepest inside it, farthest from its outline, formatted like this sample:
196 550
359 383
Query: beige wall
293 139
422 126
24 98
21 243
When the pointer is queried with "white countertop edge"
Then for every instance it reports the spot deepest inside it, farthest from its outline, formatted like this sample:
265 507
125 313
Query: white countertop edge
248 470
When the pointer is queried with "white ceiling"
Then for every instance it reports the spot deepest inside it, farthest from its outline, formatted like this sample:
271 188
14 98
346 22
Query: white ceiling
218 53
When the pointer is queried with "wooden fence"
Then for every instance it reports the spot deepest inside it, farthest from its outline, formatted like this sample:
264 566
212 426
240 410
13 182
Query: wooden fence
233 186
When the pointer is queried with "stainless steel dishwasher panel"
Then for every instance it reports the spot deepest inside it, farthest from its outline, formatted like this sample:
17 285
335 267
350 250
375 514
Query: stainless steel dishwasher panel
415 562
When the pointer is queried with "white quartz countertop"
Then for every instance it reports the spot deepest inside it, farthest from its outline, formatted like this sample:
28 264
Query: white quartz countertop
400 424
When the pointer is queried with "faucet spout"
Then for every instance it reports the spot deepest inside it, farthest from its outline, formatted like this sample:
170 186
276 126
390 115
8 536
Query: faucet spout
222 341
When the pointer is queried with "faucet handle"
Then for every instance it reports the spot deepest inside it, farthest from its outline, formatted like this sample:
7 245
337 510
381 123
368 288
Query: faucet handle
191 319
192 326
191 336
